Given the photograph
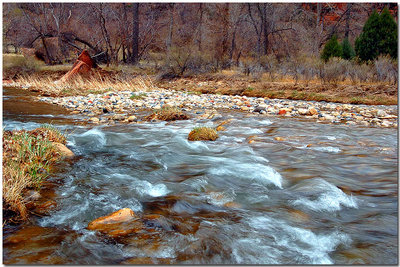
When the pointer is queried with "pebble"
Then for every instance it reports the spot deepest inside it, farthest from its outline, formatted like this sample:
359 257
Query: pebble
119 103
132 118
94 120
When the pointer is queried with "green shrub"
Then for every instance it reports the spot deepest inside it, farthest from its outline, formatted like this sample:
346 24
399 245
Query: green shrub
347 50
332 49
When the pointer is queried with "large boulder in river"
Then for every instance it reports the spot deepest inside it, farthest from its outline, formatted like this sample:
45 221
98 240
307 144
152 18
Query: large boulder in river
117 224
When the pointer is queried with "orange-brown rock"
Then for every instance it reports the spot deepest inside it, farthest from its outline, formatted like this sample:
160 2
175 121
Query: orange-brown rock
34 245
313 111
117 224
65 151
220 128
45 207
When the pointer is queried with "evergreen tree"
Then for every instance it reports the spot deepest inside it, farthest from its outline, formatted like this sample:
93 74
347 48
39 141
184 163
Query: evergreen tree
332 49
347 50
388 32
379 36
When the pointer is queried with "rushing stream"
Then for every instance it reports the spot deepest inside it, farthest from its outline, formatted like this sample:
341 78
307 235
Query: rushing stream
324 194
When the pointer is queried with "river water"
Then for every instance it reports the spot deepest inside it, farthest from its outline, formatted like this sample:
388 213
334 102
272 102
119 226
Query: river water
324 194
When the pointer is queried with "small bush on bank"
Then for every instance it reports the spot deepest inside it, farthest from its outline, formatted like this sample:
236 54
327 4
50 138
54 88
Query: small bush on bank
386 69
203 134
27 158
334 70
167 114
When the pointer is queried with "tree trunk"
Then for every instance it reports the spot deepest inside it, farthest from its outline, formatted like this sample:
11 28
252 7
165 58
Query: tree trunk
123 54
171 28
48 56
233 43
265 29
200 27
348 15
135 33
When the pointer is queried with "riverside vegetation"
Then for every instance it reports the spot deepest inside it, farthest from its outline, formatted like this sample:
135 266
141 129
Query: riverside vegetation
28 157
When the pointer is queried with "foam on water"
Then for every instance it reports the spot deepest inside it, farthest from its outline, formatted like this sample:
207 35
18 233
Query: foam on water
94 138
192 145
249 171
245 130
330 149
325 197
17 125
265 122
220 198
146 188
301 245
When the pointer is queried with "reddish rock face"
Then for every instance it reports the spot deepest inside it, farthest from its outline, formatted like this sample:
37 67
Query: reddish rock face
85 57
82 67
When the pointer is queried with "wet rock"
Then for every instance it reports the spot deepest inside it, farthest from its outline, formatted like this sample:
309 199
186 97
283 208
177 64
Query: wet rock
118 117
147 261
132 118
260 108
34 245
45 207
117 224
220 128
381 114
303 111
313 111
65 151
31 195
386 123
94 120
329 117
282 112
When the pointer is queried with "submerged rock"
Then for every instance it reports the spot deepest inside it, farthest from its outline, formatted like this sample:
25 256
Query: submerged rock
117 224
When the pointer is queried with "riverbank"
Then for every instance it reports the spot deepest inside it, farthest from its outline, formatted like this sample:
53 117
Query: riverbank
124 106
28 158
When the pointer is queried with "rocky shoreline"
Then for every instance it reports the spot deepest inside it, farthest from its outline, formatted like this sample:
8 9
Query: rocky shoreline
121 107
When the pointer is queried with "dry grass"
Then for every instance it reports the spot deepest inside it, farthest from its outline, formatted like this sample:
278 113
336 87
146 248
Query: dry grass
27 158
203 134
344 92
167 114
80 86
